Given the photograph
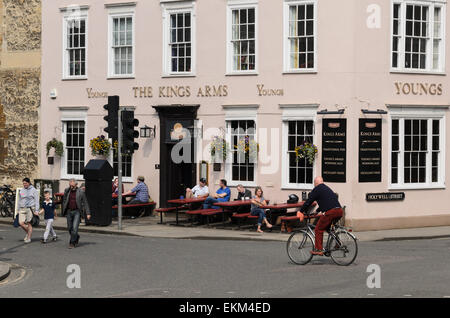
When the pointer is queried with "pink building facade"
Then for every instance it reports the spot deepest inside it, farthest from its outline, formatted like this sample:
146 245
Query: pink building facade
365 81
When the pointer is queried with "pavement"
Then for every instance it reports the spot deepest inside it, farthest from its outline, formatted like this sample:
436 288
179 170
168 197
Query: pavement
5 269
108 265
149 227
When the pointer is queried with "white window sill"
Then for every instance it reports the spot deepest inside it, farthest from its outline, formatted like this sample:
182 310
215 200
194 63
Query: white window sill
416 187
424 72
69 177
244 183
112 77
300 71
169 75
75 78
125 179
242 74
297 187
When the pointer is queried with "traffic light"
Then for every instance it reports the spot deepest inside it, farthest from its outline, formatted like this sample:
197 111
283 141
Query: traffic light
113 116
129 134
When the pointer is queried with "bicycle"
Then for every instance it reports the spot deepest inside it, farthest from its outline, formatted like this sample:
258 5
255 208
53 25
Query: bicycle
341 245
7 201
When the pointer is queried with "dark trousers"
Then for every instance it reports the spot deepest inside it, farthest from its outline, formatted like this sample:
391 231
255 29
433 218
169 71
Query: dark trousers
260 213
324 223
73 222
209 203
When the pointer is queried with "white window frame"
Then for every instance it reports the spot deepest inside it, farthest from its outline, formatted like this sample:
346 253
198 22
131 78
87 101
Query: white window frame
125 179
83 15
429 50
286 43
244 112
174 8
120 12
430 113
72 115
233 5
295 113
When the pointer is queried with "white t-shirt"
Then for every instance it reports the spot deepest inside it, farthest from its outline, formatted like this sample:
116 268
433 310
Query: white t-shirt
199 191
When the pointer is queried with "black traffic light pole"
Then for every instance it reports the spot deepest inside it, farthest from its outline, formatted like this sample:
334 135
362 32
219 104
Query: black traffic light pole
121 129
119 154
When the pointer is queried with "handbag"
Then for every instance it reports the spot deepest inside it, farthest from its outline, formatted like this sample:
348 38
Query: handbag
34 220
16 221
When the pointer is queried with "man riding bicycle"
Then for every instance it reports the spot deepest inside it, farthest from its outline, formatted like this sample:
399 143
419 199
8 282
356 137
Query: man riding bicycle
330 210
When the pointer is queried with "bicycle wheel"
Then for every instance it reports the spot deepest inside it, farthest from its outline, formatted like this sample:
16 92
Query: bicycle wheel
343 248
299 247
8 207
3 211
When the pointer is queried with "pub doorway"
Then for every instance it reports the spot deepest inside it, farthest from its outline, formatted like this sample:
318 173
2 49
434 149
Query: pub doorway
178 169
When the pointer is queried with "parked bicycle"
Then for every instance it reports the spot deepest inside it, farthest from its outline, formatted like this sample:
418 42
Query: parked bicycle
341 245
7 201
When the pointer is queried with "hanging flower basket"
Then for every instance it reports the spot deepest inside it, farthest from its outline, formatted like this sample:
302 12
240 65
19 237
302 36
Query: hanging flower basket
100 146
57 145
247 146
218 149
306 150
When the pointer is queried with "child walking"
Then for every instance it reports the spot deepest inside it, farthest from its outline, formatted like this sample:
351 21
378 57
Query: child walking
48 208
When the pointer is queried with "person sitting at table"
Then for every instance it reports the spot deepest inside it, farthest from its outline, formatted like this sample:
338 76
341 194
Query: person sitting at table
222 195
115 190
258 202
141 191
115 186
243 194
200 190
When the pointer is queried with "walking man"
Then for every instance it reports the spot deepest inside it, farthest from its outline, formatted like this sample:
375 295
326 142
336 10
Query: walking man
330 210
74 202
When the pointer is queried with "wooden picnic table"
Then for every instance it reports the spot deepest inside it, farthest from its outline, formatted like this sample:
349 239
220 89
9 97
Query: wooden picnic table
232 205
115 196
181 202
274 207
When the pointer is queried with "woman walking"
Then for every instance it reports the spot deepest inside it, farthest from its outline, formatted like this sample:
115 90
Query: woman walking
28 205
258 202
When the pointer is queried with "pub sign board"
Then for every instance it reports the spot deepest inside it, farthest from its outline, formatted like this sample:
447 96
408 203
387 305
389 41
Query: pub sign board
369 150
387 196
334 149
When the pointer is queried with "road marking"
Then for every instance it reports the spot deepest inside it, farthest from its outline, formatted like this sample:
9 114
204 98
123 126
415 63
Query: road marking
231 292
407 295
446 296
371 294
334 294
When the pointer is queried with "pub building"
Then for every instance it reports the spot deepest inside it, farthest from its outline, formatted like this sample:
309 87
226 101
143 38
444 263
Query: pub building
364 81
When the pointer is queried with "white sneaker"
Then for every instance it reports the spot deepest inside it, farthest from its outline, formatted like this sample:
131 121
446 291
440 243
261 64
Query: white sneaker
26 238
28 241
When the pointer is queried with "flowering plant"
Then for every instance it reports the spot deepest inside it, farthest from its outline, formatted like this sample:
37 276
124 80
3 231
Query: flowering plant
219 148
306 150
100 146
247 146
58 145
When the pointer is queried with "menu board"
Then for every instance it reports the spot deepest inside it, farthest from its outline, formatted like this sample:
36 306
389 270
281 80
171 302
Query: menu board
334 149
369 150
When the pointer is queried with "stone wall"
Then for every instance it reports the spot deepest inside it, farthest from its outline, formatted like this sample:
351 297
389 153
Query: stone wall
22 24
20 94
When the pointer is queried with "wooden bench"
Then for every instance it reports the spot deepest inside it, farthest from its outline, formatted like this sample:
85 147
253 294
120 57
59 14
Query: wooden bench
203 212
285 219
145 207
242 216
164 210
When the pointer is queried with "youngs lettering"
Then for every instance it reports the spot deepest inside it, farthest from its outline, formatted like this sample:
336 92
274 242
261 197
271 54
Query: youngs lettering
93 94
418 89
262 91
